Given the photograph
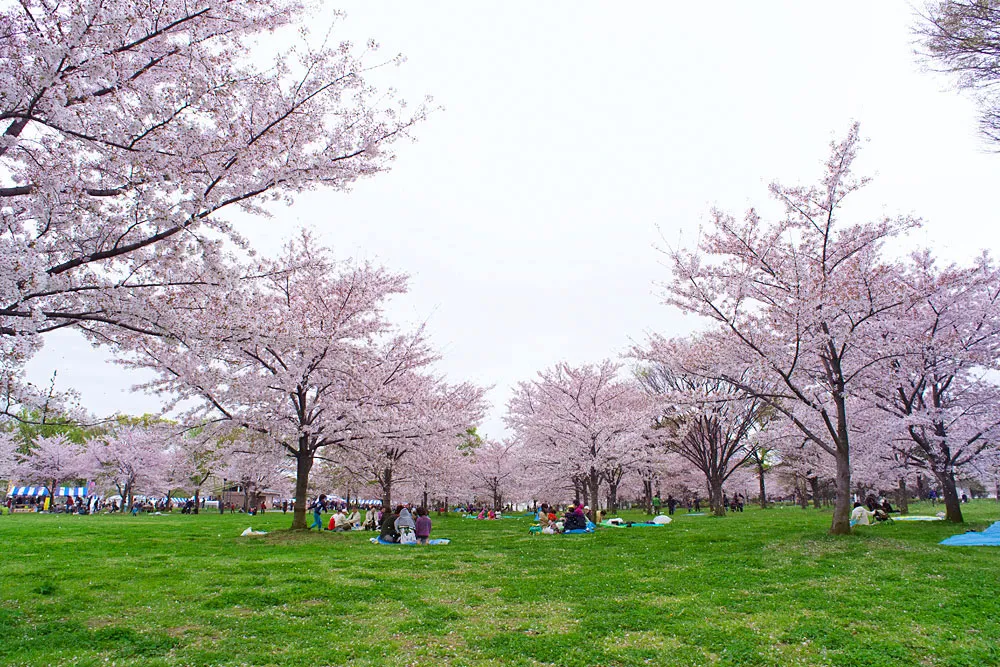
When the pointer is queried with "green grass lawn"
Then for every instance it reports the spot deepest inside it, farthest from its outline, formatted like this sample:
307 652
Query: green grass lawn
759 588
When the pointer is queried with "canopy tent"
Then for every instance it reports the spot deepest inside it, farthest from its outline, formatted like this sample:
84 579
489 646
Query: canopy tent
73 491
29 491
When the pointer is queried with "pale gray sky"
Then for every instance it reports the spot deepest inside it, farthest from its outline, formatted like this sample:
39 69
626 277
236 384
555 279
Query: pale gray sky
528 210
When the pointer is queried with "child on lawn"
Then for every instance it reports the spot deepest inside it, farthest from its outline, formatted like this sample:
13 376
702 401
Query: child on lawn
423 527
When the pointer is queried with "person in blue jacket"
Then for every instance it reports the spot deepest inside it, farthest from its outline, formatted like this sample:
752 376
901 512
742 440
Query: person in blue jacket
317 507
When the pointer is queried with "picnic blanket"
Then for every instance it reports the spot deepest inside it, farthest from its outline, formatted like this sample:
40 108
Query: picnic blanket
917 517
435 542
633 524
576 531
988 538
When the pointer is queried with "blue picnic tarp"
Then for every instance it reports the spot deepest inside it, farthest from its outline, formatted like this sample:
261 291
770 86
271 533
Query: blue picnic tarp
435 542
988 538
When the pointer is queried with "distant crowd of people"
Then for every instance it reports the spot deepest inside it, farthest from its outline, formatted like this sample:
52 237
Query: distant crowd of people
693 503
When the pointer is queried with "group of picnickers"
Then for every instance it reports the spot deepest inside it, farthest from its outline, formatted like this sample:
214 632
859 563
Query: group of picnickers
577 517
402 525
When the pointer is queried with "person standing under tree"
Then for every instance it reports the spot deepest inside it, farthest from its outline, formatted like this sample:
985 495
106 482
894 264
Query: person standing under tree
317 509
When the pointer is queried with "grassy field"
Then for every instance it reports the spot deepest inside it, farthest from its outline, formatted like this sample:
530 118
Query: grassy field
759 588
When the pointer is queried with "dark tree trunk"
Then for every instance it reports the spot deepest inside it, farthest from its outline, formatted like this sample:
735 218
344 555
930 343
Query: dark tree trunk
595 491
612 499
952 505
576 491
814 487
425 496
196 499
921 491
303 464
841 524
760 478
903 497
800 491
715 497
647 489
386 483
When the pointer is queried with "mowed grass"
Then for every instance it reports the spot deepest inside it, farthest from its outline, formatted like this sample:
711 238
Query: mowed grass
758 588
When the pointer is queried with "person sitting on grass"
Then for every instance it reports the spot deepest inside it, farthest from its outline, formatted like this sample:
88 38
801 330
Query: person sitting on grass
423 526
389 532
354 519
371 519
338 521
861 515
887 508
404 522
575 520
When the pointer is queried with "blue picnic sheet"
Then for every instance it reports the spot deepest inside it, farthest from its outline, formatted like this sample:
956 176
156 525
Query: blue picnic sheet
435 542
988 538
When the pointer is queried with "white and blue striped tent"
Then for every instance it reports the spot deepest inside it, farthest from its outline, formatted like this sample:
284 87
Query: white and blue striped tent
73 491
29 491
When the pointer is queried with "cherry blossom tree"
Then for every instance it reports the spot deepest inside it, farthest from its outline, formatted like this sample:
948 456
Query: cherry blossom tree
707 421
582 421
410 424
303 355
134 460
273 354
52 459
936 384
128 130
256 464
8 456
798 300
204 450
496 471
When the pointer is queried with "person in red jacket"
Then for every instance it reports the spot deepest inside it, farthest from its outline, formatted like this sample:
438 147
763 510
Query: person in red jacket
423 529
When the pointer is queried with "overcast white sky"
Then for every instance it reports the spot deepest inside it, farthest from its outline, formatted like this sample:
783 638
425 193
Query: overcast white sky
574 133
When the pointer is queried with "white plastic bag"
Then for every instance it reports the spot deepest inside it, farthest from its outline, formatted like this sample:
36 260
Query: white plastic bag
407 536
